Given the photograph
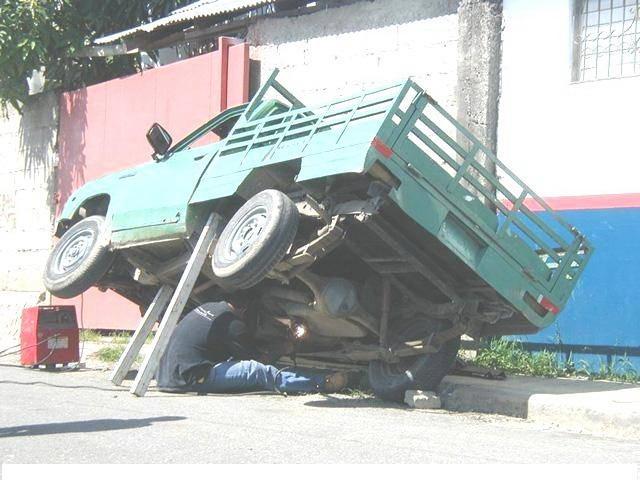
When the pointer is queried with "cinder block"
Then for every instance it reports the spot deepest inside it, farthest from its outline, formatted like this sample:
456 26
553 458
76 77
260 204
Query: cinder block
427 32
420 399
360 45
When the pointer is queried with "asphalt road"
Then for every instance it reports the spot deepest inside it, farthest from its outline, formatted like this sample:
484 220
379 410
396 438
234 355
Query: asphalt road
79 417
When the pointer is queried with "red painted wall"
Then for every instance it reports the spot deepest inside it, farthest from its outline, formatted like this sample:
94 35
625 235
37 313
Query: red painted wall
102 130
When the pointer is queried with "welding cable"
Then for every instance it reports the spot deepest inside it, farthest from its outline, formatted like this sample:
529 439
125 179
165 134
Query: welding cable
84 337
9 348
78 364
3 354
51 350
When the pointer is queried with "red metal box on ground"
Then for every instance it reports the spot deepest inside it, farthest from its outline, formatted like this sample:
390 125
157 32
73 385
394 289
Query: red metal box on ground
49 335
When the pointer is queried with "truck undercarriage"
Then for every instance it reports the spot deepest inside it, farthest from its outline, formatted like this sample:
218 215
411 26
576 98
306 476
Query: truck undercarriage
361 282
374 229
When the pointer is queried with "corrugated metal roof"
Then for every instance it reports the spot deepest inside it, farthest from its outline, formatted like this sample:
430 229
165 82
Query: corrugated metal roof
200 9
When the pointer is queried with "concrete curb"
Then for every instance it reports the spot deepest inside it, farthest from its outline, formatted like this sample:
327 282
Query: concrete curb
603 408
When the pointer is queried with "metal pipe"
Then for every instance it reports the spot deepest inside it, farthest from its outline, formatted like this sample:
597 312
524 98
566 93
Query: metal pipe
386 304
289 294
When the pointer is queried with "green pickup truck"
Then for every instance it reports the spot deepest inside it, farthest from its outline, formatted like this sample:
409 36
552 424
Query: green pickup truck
371 230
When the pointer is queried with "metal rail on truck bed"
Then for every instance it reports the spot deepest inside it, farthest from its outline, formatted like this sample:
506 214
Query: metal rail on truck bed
448 182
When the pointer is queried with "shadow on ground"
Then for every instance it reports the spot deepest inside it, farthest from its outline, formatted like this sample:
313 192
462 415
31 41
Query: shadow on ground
329 401
84 426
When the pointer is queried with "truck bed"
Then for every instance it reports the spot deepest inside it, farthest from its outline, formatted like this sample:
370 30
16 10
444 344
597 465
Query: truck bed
446 182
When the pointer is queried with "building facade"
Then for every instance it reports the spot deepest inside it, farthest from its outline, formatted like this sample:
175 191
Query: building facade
569 101
552 85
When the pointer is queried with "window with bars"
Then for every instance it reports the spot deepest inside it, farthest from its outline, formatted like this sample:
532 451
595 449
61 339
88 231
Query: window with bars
607 39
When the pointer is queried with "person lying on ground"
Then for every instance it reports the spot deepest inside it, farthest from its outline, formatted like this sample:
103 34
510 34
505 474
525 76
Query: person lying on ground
211 351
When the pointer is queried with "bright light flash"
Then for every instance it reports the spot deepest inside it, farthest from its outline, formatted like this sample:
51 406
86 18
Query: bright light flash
299 330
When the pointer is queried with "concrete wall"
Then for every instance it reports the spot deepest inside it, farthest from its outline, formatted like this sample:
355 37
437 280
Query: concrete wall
563 138
27 162
365 44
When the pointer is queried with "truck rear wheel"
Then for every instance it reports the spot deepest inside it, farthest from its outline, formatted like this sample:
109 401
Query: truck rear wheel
389 381
79 260
256 238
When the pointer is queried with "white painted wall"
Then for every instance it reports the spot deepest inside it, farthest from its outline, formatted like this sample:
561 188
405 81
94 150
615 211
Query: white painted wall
563 138
343 50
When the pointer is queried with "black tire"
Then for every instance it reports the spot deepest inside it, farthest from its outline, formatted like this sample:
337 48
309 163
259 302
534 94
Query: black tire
256 238
389 381
79 260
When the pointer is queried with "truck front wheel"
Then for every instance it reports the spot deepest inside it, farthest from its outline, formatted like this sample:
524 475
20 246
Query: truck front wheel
79 260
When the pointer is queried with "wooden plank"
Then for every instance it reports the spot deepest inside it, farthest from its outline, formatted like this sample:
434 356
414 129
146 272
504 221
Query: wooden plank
151 316
176 305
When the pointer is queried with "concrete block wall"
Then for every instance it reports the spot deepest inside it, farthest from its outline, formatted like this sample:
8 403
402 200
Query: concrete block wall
346 49
27 166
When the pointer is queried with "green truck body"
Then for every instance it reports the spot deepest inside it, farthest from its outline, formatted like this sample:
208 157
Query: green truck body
440 176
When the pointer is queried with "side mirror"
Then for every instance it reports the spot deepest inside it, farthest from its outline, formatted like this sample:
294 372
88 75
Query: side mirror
159 139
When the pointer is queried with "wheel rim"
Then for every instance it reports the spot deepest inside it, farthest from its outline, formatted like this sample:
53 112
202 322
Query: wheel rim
246 233
73 252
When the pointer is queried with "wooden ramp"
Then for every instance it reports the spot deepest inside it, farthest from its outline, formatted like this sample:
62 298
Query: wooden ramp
170 300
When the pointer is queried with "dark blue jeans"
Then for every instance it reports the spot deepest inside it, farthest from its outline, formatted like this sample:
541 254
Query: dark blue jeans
251 376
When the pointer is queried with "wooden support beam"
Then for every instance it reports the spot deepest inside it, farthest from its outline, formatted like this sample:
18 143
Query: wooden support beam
151 316
178 301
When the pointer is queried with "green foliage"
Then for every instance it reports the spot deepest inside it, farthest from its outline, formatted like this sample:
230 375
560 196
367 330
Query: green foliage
618 369
50 33
510 356
110 354
88 335
120 338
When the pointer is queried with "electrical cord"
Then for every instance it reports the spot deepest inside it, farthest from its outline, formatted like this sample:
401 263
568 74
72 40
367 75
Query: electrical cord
51 350
78 364
3 354
84 337
9 348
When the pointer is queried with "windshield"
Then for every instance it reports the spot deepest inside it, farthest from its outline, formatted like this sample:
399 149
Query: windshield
221 125
214 130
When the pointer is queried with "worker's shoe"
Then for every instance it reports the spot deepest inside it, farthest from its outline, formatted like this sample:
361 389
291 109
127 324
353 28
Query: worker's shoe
334 382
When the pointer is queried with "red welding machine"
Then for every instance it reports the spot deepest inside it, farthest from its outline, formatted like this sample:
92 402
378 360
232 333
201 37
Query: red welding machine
49 335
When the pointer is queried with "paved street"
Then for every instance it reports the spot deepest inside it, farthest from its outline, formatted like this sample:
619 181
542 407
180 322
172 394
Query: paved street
80 417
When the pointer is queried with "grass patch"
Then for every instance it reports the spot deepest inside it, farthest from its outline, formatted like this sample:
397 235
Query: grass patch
119 338
110 353
620 369
510 356
90 336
